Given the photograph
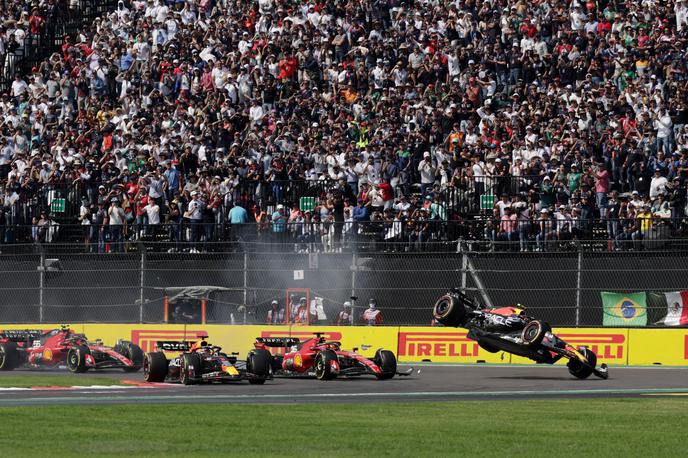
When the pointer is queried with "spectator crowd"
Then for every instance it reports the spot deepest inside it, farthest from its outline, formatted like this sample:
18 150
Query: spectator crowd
176 119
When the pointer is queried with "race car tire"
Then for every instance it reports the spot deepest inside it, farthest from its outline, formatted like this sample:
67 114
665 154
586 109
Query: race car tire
259 362
323 368
133 352
9 356
190 369
534 332
580 370
76 359
155 367
387 362
449 312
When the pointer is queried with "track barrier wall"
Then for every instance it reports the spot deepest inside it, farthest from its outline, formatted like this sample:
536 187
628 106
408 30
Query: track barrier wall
614 346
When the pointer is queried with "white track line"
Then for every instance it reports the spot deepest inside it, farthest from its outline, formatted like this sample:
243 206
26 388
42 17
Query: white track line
314 396
76 388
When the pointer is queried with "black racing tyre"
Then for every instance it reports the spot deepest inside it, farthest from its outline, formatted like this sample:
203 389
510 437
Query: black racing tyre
534 332
259 362
134 353
487 347
76 359
323 368
9 356
580 370
190 370
449 312
387 362
155 366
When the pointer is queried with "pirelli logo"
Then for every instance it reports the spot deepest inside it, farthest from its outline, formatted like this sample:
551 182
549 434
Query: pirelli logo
607 346
436 344
146 339
302 336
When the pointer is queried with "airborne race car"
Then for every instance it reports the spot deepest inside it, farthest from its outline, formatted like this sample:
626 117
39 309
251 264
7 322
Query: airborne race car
201 362
326 360
35 348
509 329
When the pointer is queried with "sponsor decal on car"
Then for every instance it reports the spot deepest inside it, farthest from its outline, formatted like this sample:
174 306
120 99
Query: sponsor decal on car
231 370
301 335
47 354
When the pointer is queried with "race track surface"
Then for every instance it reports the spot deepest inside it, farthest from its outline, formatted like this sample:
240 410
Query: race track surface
433 383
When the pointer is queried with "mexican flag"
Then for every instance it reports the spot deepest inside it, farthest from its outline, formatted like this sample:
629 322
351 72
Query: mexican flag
676 305
624 309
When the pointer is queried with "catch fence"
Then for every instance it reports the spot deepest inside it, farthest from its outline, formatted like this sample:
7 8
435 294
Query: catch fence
562 288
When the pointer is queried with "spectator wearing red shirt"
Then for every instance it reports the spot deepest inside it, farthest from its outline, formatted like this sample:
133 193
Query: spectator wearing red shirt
387 193
601 188
372 316
36 22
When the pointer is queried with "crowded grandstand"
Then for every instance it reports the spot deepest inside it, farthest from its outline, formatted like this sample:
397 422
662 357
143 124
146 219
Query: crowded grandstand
537 123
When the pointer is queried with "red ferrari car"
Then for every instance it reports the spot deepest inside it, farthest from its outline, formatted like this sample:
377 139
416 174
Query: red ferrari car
326 360
35 348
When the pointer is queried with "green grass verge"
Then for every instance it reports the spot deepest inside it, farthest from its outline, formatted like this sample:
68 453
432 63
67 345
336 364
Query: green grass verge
28 381
580 427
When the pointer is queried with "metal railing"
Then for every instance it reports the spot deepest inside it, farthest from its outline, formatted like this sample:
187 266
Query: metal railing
393 234
464 199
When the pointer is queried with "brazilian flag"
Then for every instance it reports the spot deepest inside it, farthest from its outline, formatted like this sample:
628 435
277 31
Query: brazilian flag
624 309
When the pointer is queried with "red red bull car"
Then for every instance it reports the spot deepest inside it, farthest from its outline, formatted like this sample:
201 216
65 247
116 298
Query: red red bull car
509 329
57 347
200 362
326 360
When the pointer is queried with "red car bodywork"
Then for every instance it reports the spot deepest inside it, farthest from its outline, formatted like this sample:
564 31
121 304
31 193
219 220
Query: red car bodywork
299 357
50 348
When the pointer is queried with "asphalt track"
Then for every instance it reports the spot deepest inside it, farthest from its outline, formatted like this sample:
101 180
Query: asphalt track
433 383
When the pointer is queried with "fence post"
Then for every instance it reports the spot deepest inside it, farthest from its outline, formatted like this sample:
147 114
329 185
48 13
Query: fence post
479 283
41 283
464 266
246 282
142 249
354 268
579 280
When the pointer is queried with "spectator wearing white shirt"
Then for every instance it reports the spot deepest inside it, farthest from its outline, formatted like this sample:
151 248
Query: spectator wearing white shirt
19 86
663 125
657 185
427 173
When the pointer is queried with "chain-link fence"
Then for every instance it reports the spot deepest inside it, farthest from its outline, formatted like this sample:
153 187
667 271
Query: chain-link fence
562 288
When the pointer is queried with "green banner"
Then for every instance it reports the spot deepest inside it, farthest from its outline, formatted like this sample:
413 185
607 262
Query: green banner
624 309
307 204
58 205
487 201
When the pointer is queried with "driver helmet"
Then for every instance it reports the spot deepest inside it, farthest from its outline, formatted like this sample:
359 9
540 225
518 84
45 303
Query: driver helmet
372 303
520 308
347 305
